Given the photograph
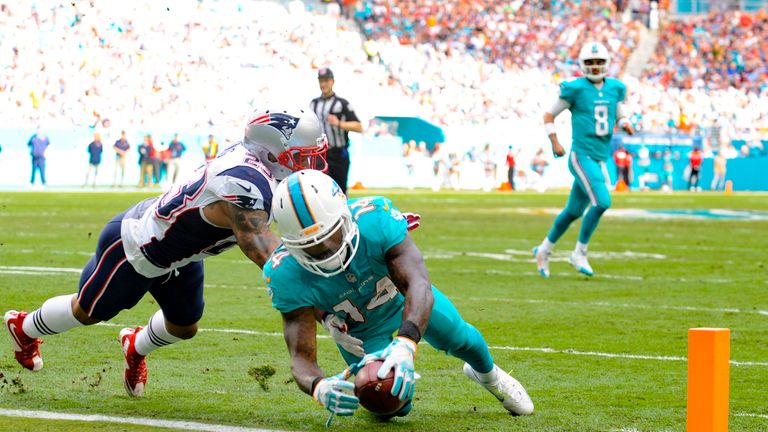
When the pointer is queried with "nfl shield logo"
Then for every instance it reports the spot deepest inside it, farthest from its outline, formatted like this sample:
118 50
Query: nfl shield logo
351 278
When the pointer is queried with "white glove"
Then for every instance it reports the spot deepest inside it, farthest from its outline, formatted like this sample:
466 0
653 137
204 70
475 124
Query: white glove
335 394
337 327
399 356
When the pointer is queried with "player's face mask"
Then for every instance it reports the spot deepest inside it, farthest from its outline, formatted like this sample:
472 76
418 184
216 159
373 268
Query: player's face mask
301 158
595 66
316 224
331 253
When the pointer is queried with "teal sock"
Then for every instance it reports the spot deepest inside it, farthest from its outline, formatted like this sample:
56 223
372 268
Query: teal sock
590 222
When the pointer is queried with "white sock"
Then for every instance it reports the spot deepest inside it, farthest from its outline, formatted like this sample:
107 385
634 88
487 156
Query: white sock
154 335
54 316
547 245
581 248
490 377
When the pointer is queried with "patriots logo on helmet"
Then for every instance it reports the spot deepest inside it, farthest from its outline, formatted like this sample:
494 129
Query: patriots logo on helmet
283 123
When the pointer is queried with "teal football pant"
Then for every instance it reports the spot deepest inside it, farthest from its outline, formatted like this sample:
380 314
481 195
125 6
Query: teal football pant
589 190
446 331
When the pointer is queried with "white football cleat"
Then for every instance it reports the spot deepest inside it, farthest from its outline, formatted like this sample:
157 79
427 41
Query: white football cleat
135 374
580 263
542 261
26 349
507 390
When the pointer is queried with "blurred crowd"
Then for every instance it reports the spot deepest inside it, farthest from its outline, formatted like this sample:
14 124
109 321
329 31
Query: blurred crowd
475 61
713 52
200 65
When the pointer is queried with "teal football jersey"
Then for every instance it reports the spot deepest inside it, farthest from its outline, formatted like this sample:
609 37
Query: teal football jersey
363 294
593 114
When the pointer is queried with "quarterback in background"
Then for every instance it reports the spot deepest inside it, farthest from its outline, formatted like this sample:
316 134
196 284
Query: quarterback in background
595 103
355 263
158 245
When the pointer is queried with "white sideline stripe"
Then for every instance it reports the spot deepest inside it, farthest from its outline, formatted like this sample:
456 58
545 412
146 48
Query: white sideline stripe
762 416
140 421
503 348
42 269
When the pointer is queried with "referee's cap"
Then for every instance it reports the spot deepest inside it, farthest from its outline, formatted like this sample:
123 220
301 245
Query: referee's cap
324 73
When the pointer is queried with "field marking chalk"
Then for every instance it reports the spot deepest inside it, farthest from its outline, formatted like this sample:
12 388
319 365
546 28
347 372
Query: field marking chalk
140 421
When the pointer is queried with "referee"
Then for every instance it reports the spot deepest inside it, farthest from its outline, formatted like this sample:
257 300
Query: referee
338 119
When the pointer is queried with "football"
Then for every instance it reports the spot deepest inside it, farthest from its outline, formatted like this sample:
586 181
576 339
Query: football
374 393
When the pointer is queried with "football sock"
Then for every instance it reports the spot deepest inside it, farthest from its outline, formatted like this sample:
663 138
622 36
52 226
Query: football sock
489 377
54 316
589 225
154 335
581 248
547 245
562 222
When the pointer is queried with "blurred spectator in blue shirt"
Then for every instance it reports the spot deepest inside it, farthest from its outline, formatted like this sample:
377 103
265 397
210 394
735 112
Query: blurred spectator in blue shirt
95 149
177 148
121 154
38 143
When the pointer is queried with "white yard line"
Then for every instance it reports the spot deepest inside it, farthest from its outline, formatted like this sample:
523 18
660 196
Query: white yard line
171 424
762 416
502 348
32 270
613 305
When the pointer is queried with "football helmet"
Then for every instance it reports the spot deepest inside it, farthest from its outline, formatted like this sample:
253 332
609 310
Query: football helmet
286 140
310 209
594 51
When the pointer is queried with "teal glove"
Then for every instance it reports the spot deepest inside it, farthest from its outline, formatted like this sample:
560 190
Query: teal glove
399 356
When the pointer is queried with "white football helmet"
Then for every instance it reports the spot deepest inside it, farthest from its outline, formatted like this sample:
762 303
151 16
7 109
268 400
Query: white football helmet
309 208
286 140
594 51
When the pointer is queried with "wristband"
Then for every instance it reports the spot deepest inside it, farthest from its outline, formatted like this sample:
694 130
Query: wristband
410 330
314 384
550 128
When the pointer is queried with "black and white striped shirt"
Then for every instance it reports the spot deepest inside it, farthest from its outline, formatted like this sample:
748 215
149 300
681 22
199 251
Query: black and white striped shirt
341 108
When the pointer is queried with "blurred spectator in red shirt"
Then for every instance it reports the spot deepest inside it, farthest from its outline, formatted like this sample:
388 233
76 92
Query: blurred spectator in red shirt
695 158
623 161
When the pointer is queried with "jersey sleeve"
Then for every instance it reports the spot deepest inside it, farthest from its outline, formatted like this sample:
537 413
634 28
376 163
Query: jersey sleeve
244 186
383 225
349 112
568 91
284 283
622 93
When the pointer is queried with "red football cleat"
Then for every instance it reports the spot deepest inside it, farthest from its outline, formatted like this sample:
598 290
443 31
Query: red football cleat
135 376
26 349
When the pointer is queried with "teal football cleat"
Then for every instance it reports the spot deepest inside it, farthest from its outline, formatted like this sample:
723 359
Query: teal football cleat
580 263
542 261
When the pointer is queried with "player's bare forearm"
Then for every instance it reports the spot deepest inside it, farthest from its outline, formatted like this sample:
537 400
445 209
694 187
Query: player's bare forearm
352 126
409 274
300 332
251 229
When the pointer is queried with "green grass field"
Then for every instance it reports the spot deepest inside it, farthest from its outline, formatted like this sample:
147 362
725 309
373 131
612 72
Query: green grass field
655 279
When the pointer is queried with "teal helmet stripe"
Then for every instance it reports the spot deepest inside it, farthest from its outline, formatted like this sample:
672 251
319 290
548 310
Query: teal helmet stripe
299 203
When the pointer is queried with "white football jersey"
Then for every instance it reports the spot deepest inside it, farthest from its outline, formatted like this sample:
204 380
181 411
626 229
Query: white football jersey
167 232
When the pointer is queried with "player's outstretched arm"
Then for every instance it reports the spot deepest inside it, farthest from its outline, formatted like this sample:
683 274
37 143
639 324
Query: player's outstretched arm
334 392
251 229
409 274
300 333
